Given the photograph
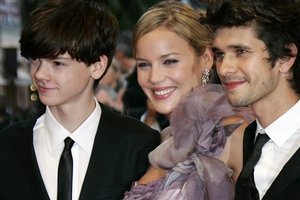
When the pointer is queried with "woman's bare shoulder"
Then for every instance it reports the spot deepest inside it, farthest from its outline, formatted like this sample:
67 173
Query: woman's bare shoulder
151 175
233 151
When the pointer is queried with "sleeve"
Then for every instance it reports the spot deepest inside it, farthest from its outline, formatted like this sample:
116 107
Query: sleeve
150 142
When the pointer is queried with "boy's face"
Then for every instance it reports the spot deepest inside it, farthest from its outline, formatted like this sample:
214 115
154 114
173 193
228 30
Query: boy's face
243 67
62 80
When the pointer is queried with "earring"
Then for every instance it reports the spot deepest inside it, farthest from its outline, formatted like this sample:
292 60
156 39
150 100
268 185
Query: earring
205 76
32 87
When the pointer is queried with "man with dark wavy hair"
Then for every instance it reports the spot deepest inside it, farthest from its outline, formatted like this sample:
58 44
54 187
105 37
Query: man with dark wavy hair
78 148
256 48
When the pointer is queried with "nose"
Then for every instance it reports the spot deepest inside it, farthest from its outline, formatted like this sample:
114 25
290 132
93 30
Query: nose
226 65
40 70
156 74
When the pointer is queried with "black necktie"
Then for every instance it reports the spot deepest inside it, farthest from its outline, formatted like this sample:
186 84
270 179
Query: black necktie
65 172
245 184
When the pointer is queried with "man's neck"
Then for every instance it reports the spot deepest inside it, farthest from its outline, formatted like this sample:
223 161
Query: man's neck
268 110
72 118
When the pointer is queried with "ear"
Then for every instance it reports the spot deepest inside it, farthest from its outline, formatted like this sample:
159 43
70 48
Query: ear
99 67
285 64
208 58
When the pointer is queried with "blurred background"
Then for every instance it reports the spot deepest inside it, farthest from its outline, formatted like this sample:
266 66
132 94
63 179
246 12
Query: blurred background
18 99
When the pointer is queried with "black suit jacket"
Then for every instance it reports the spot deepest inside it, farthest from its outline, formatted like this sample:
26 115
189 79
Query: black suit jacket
286 186
119 157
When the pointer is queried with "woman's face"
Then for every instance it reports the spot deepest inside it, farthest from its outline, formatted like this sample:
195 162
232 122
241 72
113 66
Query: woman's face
168 68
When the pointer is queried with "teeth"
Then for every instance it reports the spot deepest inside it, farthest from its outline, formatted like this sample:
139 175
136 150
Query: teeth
164 92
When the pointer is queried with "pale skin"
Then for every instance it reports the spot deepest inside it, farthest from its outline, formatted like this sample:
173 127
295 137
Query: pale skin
151 114
169 69
63 84
249 79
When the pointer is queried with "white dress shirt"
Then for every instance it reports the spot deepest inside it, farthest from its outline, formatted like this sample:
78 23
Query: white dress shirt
48 142
284 141
154 125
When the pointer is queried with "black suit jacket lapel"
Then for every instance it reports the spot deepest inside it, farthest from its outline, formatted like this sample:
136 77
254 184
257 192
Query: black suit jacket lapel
110 171
28 162
241 190
248 141
93 183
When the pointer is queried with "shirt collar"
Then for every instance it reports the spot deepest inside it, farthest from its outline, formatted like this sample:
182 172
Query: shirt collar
285 126
83 136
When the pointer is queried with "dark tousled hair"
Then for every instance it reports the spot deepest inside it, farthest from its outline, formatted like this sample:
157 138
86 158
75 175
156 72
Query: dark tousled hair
275 22
86 29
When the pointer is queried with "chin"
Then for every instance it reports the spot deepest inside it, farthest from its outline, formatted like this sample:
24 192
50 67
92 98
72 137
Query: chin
164 110
49 102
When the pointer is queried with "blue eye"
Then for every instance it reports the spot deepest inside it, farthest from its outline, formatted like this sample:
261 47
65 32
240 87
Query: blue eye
170 61
240 51
219 55
142 64
56 63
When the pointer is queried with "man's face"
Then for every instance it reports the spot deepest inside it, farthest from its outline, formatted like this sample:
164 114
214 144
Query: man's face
243 66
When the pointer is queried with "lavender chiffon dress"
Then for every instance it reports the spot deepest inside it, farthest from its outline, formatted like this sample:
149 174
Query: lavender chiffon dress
196 138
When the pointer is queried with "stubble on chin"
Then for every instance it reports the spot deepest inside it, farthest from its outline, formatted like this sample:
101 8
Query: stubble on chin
237 100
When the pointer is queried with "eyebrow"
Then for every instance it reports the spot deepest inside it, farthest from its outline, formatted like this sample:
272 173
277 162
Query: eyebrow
233 47
140 59
169 54
214 49
161 57
61 57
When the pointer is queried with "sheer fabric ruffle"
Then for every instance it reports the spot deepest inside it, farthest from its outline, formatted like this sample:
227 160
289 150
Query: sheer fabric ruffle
196 139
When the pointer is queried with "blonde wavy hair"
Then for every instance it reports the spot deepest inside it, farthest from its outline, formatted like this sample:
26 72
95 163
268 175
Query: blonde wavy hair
179 18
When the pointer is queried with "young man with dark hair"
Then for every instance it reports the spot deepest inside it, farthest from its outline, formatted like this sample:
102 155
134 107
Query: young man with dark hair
256 47
69 45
